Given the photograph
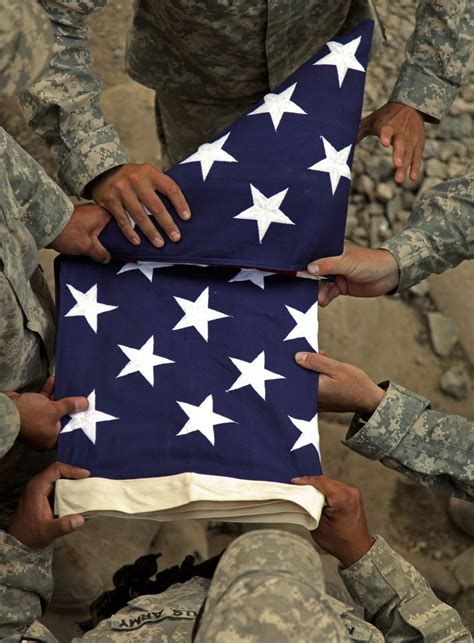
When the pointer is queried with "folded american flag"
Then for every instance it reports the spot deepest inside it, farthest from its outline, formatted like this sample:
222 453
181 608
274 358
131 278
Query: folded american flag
196 406
271 191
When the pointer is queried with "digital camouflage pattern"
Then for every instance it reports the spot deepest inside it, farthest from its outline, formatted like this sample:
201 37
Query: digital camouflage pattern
25 44
63 106
437 57
405 434
268 587
399 601
209 66
439 233
25 588
33 211
209 62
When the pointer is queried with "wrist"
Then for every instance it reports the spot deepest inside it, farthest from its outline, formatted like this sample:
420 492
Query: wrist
97 181
356 551
372 398
391 270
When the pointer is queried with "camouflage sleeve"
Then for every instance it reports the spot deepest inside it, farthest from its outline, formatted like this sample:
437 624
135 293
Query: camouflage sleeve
25 587
25 44
437 57
440 231
63 106
405 434
42 207
398 600
10 424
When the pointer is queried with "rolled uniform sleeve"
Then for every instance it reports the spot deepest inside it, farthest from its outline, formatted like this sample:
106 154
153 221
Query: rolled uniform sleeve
63 106
440 231
438 56
405 434
25 588
398 599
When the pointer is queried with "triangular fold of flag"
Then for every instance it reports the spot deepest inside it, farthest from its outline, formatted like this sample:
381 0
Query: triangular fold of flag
271 191
197 408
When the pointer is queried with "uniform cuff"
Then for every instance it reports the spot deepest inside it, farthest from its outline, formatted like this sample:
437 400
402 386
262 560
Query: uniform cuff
90 159
410 250
10 419
394 417
423 90
378 577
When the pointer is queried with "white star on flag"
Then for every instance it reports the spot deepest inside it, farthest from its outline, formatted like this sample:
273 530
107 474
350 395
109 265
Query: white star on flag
306 325
253 374
278 104
309 433
257 277
335 163
202 418
145 267
342 57
142 360
265 211
198 314
87 420
87 306
210 153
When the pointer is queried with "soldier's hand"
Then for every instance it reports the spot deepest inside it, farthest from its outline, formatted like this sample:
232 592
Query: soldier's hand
40 416
34 524
403 127
360 272
342 387
342 529
130 189
80 236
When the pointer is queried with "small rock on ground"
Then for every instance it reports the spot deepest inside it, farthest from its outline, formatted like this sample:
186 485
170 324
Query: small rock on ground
455 383
444 333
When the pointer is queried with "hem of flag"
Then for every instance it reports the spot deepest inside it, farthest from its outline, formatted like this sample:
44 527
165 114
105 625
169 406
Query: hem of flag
191 496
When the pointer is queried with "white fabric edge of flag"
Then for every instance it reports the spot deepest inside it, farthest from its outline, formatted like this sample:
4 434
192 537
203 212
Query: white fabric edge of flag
191 496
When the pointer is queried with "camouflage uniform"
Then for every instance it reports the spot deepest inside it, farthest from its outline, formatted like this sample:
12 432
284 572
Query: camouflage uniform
268 586
439 233
33 210
209 62
25 44
404 433
63 106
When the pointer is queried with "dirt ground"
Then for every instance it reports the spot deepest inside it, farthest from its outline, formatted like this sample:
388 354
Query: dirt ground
387 337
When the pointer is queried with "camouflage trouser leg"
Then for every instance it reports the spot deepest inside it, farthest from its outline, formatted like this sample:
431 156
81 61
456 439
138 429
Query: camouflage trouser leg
269 586
182 125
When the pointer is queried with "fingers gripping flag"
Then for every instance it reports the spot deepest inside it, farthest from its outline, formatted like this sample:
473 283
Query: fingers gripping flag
196 406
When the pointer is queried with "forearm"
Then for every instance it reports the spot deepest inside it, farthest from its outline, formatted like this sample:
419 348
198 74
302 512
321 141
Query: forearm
25 587
439 233
10 420
405 434
398 600
437 57
63 107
